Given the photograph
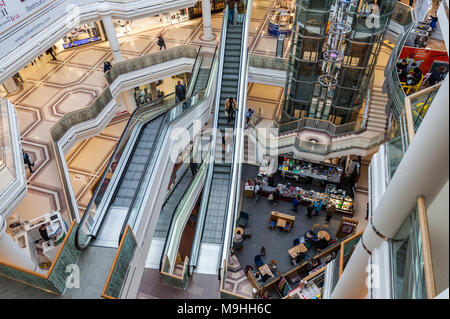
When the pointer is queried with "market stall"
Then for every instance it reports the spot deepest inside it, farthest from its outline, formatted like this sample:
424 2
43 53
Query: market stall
281 18
292 168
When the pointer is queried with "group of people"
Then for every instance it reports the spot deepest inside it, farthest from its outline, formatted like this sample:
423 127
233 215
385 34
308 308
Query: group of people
241 8
409 72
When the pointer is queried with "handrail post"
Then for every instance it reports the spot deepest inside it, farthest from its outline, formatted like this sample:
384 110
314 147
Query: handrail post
426 248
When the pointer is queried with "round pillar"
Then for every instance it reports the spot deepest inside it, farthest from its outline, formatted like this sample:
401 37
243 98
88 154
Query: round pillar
10 252
423 171
207 26
105 12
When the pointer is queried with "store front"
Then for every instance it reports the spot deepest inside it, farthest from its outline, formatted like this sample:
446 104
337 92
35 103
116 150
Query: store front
196 10
281 18
85 33
309 181
126 27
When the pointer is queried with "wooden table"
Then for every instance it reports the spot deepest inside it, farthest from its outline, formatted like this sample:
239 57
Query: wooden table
281 222
265 270
279 215
323 234
294 251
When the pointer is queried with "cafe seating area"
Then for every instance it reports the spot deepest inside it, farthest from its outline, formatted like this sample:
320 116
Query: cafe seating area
287 237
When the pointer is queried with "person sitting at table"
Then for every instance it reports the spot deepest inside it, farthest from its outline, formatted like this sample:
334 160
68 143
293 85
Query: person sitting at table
248 268
262 251
322 243
257 276
297 260
311 237
265 277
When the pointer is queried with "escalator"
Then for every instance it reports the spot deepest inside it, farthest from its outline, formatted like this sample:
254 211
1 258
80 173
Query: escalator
219 199
115 202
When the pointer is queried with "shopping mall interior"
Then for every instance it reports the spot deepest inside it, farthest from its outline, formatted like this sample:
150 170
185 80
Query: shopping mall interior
251 149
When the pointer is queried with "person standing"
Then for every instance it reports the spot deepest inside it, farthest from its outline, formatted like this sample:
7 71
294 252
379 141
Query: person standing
161 43
437 75
231 4
180 92
241 11
330 212
193 167
230 108
27 160
256 199
411 3
295 203
318 206
309 210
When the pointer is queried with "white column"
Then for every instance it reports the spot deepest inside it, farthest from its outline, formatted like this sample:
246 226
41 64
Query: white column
10 86
206 16
130 102
423 171
105 12
153 91
11 253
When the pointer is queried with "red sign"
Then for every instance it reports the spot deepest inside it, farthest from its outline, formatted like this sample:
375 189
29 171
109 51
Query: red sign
424 57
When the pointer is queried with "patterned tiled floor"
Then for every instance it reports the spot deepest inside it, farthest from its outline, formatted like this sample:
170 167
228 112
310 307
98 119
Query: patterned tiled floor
53 88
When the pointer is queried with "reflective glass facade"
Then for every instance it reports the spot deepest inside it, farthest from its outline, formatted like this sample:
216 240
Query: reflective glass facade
338 98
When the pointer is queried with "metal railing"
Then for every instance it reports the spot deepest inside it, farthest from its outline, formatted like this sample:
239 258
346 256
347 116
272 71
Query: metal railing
204 203
234 190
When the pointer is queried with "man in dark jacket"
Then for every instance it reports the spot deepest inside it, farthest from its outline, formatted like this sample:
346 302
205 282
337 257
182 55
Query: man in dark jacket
309 210
180 92
27 160
161 42
330 212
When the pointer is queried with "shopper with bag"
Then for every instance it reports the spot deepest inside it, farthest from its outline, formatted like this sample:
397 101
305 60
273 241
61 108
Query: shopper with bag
230 108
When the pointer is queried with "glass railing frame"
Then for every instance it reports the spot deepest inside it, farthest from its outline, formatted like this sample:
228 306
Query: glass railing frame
161 137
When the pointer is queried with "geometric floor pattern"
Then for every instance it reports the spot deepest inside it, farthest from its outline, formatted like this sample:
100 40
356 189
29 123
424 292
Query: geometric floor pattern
53 88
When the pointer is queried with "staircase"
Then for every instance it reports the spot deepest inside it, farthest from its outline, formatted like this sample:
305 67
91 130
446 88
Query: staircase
377 122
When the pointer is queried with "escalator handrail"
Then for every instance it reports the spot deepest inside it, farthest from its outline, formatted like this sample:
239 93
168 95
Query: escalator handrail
196 70
171 224
164 126
133 116
234 186
94 196
204 201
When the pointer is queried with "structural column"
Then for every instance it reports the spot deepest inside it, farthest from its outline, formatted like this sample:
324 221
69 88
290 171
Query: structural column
423 171
129 100
105 12
206 16
10 252
153 91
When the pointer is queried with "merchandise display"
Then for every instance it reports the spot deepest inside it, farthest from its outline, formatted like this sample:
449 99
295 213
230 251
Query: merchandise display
297 168
339 198
281 18
83 34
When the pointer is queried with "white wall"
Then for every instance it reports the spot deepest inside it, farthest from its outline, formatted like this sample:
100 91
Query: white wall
438 212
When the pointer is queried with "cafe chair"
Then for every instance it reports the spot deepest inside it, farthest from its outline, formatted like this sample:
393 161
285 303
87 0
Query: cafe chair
324 226
243 219
287 228
315 226
258 261
296 242
272 223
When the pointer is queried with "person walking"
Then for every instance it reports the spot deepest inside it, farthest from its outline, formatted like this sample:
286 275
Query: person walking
107 66
295 203
318 206
309 210
241 11
256 190
330 212
27 160
276 195
161 43
437 75
230 108
49 51
180 92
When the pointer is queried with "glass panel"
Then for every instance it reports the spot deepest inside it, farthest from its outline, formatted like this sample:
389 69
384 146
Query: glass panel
7 165
408 277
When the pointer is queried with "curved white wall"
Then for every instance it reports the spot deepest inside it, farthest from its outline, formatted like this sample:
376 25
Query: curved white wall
29 28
